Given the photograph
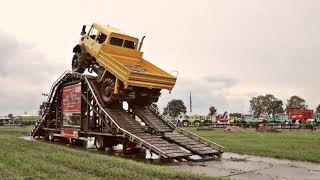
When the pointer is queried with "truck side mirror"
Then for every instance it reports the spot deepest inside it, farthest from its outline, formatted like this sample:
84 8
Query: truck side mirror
83 30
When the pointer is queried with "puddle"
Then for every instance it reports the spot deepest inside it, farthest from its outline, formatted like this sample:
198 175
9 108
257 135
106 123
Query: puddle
28 138
238 166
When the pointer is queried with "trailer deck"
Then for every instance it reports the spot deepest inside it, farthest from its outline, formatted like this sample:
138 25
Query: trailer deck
158 135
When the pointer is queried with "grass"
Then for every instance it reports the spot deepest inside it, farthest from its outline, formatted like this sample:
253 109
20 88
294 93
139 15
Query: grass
15 130
22 159
300 145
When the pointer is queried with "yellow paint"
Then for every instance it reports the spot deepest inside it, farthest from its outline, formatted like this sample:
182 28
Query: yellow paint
116 87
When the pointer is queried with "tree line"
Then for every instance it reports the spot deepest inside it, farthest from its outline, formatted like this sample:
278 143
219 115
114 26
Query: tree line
260 105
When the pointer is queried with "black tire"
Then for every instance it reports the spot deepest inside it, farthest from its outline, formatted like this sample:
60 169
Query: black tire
50 136
197 123
76 63
106 90
99 143
185 123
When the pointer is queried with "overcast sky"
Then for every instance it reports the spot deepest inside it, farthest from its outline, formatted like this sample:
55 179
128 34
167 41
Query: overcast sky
226 51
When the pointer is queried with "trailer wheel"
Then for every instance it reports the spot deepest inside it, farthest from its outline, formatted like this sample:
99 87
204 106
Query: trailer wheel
99 143
50 136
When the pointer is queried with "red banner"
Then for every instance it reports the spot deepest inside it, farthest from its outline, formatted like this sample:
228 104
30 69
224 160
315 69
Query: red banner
71 98
71 105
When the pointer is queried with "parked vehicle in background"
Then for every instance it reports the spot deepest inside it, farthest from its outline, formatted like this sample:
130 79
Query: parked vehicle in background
222 118
316 119
235 117
197 120
249 120
280 118
264 119
300 115
182 120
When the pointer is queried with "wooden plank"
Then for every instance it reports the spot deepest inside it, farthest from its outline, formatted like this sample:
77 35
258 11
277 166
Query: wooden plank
174 151
172 155
201 148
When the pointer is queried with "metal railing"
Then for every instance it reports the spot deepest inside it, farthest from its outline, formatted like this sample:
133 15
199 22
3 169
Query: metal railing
162 117
201 139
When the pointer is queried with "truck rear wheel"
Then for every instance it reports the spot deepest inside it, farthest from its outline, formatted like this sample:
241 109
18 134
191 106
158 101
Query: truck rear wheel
106 90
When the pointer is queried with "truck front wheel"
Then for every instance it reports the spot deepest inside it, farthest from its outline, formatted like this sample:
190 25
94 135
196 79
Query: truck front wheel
76 63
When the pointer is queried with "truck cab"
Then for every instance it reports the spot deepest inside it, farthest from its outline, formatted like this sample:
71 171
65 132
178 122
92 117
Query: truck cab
110 40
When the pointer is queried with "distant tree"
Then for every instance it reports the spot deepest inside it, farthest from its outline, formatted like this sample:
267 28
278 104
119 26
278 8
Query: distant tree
174 108
267 104
296 102
275 107
318 109
212 110
10 115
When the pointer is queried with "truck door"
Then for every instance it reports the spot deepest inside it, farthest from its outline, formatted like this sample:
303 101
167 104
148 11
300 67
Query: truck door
98 43
90 39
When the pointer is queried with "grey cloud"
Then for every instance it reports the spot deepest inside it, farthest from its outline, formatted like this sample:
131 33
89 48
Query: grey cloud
206 91
24 74
221 80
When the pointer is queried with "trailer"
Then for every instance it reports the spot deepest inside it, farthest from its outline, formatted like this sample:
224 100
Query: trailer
75 110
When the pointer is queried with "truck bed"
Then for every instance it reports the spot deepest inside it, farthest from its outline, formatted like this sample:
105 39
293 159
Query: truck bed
133 71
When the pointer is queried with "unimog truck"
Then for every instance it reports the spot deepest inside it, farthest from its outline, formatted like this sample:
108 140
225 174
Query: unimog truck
116 57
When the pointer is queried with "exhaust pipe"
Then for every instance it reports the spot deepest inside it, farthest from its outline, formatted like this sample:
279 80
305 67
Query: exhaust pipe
141 42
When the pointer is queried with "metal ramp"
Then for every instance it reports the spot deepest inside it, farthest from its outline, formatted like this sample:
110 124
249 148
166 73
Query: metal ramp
147 115
195 144
128 123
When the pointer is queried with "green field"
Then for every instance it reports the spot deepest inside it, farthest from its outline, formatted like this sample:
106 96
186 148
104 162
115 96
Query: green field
301 145
22 159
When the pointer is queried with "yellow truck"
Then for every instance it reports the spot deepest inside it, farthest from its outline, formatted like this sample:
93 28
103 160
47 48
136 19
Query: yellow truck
116 58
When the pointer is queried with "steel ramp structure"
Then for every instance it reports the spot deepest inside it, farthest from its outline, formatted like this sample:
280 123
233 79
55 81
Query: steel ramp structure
187 140
110 120
147 115
128 123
